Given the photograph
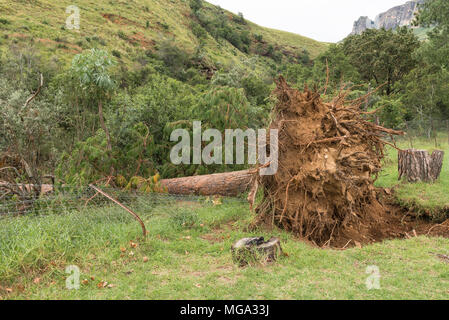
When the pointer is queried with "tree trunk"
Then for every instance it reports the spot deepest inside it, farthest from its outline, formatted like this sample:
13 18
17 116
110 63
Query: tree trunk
103 126
418 165
224 184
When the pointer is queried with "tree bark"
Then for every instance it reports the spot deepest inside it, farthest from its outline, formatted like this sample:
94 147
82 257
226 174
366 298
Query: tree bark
224 184
419 166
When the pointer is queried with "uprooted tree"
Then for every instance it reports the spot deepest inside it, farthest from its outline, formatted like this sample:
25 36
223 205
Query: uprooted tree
329 156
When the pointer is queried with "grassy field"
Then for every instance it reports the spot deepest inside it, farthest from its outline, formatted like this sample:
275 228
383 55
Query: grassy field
187 256
430 199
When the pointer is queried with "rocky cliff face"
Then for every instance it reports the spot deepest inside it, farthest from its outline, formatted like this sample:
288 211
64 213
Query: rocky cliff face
395 17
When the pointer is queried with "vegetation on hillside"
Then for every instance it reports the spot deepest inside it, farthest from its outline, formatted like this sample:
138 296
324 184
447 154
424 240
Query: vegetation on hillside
116 88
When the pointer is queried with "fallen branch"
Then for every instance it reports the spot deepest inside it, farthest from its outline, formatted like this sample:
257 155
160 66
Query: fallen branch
144 230
41 83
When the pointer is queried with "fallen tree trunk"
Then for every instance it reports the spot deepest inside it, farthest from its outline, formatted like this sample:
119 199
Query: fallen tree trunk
224 184
418 165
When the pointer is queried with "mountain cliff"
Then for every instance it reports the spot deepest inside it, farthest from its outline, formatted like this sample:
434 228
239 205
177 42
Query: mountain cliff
395 17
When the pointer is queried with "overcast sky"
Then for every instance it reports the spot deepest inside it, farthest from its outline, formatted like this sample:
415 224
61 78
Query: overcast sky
323 20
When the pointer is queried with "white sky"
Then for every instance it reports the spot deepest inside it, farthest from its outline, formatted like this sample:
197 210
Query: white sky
323 20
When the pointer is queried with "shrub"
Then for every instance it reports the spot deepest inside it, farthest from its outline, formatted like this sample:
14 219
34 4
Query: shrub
122 35
116 53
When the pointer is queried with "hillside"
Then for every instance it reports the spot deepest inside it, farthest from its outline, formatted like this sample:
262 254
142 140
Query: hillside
130 28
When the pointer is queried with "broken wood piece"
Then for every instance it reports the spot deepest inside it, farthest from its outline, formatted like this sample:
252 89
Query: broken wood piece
252 250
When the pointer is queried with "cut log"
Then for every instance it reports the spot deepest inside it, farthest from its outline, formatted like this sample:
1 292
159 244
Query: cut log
223 184
419 166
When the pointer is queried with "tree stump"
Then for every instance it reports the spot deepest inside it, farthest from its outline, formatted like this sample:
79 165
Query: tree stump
419 166
253 250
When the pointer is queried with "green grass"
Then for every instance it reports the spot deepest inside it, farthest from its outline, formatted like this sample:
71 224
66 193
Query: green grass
431 199
193 261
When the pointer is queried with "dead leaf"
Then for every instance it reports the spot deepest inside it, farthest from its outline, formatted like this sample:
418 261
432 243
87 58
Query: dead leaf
145 259
131 253
8 290
198 285
111 286
92 278
102 284
122 249
133 244
37 280
85 281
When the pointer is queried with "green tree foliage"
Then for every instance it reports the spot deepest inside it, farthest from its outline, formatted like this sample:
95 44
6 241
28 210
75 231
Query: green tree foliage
339 66
175 59
426 86
218 108
93 70
196 5
382 56
31 131
392 112
435 13
427 94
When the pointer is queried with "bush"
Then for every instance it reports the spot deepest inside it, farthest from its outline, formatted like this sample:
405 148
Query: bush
176 60
122 35
116 53
198 30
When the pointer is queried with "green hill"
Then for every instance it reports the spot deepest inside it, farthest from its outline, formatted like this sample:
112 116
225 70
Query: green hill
128 28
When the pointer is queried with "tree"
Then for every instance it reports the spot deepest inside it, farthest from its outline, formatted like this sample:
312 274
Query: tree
435 13
93 70
383 56
339 66
175 59
195 5
426 86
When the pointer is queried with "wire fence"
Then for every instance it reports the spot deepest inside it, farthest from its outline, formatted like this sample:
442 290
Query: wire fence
65 200
425 133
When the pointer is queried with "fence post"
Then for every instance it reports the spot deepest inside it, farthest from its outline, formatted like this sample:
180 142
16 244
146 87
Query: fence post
447 128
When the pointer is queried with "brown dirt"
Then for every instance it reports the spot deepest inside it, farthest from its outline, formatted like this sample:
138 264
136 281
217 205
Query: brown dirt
117 19
142 41
324 191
